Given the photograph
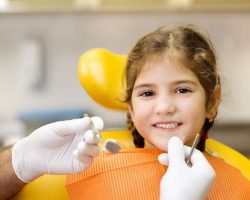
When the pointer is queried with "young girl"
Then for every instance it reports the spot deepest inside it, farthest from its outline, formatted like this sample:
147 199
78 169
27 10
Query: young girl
173 93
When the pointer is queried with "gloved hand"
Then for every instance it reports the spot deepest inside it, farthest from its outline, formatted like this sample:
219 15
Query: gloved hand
182 182
58 148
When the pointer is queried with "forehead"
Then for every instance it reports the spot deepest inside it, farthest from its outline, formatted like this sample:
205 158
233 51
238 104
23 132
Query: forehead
168 66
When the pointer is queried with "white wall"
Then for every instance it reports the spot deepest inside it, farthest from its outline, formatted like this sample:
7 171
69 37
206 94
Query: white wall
65 36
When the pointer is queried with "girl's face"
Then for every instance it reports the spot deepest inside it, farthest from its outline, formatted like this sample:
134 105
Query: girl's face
168 100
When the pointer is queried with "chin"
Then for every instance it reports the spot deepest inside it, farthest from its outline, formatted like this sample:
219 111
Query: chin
163 147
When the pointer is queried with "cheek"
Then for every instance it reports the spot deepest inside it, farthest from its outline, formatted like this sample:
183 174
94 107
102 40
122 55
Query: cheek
197 114
195 111
140 114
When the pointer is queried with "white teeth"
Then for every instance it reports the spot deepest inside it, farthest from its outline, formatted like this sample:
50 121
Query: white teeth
170 125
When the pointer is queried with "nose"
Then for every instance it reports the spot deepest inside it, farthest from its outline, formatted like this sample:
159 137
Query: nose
165 105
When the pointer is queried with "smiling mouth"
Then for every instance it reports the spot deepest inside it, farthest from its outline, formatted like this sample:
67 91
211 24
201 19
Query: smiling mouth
167 125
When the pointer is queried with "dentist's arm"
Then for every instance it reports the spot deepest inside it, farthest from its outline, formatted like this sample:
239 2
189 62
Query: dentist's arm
10 184
58 148
182 182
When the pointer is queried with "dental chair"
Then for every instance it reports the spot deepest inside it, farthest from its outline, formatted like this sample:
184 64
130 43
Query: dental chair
100 72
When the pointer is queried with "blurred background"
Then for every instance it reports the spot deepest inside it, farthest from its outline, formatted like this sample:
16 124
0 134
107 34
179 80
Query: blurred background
42 40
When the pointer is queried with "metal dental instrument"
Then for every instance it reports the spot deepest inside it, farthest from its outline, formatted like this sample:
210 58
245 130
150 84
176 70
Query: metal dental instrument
95 131
194 145
110 145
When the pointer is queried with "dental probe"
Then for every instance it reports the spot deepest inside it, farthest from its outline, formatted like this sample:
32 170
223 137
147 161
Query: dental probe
194 145
110 145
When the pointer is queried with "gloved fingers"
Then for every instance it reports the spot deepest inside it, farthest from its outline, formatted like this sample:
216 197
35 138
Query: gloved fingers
88 149
68 127
91 138
98 122
201 165
197 158
176 152
85 159
78 166
163 159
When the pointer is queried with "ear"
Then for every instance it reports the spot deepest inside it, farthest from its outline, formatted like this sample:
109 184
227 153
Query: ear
214 102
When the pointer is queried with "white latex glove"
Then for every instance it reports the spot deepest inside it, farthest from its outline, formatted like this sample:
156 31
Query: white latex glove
56 148
182 182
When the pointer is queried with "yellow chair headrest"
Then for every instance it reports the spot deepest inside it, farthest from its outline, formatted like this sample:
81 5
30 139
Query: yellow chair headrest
101 75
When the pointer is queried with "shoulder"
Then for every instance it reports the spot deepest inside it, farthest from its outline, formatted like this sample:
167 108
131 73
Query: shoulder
224 169
230 183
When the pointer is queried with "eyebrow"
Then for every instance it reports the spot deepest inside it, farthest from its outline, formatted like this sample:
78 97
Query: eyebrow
143 85
185 82
173 83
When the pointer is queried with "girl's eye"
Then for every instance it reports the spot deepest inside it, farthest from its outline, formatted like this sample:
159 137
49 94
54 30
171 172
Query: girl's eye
183 91
147 94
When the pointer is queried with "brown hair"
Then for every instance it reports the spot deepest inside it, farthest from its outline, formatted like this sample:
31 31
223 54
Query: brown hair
194 49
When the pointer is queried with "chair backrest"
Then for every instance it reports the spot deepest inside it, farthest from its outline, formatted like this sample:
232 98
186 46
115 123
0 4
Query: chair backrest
101 74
